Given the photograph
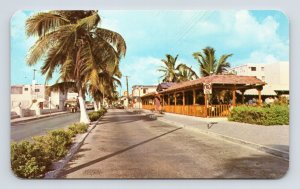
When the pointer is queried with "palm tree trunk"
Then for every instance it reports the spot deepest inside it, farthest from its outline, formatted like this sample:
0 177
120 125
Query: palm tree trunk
84 118
99 105
95 106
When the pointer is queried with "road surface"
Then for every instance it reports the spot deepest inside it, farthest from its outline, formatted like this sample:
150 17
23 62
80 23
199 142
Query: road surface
32 128
128 145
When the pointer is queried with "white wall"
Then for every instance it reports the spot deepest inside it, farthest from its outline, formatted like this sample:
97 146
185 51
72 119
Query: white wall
139 90
276 75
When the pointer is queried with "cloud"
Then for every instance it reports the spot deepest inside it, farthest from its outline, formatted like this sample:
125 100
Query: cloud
142 70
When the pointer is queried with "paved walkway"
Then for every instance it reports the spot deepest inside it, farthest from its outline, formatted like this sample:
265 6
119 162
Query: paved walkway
272 136
129 145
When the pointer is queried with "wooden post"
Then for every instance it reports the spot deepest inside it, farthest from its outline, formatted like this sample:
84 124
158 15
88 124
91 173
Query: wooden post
175 99
259 97
205 104
163 100
183 98
233 98
168 99
183 103
243 97
194 96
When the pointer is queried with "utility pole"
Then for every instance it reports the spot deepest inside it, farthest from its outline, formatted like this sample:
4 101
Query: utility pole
127 88
34 70
33 85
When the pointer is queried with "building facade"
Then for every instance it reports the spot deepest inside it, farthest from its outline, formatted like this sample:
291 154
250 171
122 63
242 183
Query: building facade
276 76
140 90
28 100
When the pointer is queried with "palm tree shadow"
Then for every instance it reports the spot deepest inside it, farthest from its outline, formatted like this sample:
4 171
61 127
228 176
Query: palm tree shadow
114 154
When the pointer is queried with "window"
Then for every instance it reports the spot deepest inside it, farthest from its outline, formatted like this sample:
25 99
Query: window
262 68
37 90
144 91
253 69
26 89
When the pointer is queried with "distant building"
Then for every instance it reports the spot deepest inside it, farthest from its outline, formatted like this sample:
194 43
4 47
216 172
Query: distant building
140 90
276 75
165 85
125 93
27 99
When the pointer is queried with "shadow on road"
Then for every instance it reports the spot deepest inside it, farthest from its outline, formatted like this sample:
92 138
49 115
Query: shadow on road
114 154
255 166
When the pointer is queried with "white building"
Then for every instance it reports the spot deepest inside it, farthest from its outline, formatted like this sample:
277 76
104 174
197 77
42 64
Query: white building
276 76
140 90
28 100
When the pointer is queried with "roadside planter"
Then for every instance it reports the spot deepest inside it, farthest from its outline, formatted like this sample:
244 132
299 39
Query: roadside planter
45 156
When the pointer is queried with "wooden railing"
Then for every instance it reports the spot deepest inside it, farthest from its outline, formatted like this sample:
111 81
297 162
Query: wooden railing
148 107
192 110
195 110
218 110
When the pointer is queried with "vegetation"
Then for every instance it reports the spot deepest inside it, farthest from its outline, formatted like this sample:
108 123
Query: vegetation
173 73
73 43
77 128
208 63
94 116
32 159
28 160
267 115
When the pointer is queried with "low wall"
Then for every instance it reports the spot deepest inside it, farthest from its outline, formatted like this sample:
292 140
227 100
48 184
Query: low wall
48 111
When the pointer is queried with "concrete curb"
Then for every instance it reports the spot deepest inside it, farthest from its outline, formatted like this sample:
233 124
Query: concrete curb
281 154
36 118
58 166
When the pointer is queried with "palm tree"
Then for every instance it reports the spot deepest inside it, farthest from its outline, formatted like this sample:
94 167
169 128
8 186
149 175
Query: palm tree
186 73
173 73
105 88
209 64
72 42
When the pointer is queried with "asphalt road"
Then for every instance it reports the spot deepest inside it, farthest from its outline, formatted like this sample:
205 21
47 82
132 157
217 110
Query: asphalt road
128 145
32 128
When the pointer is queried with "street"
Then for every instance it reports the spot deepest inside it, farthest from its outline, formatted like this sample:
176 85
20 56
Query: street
32 128
128 145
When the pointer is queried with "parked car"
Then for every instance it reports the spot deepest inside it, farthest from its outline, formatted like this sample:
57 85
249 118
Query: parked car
120 106
72 105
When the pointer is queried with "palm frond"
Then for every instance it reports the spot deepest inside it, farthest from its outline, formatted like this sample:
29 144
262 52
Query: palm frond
89 22
44 22
114 38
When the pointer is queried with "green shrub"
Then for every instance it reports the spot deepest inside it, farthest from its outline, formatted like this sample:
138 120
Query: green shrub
268 115
55 144
94 116
77 128
28 160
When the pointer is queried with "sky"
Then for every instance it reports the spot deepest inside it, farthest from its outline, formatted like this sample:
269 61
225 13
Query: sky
251 36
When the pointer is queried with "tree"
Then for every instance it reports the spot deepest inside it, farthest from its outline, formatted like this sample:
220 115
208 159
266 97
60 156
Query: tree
72 42
173 73
209 64
106 87
186 73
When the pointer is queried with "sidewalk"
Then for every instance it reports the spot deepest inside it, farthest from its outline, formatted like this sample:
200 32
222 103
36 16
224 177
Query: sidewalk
270 139
24 119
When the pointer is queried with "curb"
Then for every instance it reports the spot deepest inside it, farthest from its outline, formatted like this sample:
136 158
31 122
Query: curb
36 118
281 154
58 166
